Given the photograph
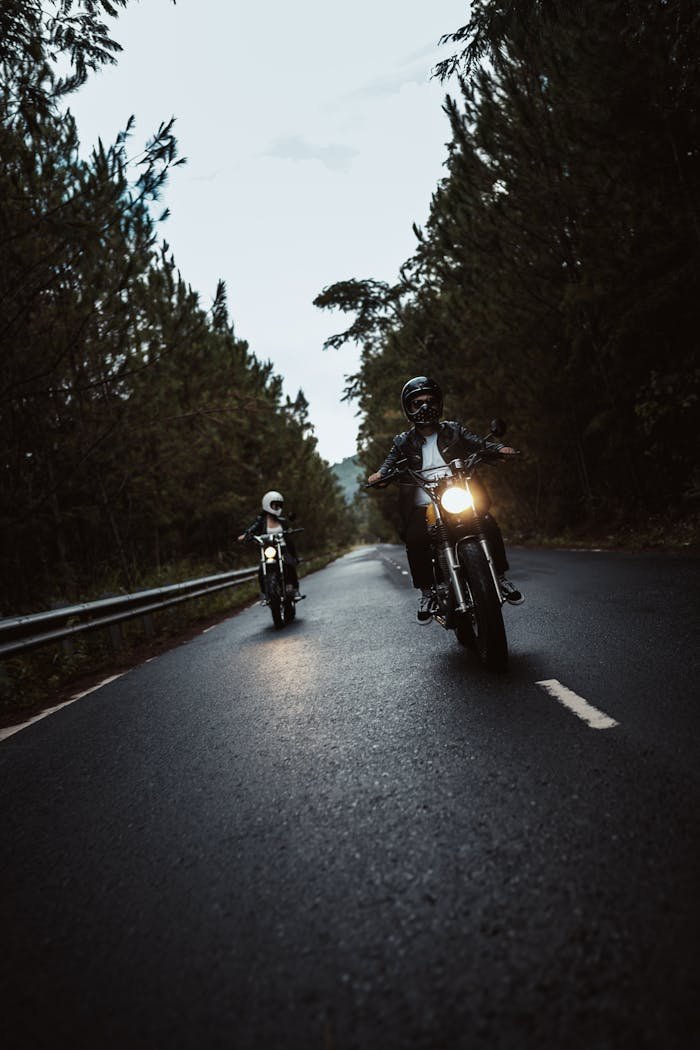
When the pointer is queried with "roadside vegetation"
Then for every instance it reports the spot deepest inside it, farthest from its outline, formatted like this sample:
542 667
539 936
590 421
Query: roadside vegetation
556 280
138 431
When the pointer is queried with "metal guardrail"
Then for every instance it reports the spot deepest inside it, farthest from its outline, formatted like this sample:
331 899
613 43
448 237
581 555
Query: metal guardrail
28 632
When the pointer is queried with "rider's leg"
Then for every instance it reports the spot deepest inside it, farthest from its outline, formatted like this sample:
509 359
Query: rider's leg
420 564
290 568
418 550
494 538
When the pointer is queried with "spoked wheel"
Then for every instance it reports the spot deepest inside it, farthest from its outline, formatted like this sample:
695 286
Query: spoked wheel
482 629
274 599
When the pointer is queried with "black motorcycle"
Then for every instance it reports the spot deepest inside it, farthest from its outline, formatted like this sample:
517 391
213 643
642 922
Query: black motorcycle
279 591
466 584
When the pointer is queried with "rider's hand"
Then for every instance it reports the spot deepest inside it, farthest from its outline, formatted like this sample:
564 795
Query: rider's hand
507 451
374 477
241 539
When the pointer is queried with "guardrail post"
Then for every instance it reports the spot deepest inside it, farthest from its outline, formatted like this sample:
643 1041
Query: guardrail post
67 644
116 635
148 625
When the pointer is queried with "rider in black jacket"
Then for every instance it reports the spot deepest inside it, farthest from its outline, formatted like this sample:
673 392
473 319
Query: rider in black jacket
270 520
431 444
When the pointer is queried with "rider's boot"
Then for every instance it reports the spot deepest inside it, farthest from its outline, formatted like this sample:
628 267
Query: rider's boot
427 606
509 591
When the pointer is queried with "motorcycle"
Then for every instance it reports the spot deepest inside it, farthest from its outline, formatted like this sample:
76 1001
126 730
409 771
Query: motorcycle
279 593
467 589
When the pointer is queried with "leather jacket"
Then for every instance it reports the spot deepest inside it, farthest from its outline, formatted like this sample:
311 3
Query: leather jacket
454 441
259 527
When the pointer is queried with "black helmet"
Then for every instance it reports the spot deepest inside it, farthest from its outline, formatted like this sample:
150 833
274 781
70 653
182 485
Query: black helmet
428 412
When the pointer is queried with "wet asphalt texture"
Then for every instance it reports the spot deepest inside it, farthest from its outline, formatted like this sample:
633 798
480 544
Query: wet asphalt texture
347 835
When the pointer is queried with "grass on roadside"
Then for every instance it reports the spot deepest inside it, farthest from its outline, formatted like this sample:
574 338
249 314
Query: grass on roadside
657 533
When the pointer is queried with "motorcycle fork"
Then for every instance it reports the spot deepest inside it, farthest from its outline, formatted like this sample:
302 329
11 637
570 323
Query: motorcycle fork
280 563
450 558
489 561
487 554
451 562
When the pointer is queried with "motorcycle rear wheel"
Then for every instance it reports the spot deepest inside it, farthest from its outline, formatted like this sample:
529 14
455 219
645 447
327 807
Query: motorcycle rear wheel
483 629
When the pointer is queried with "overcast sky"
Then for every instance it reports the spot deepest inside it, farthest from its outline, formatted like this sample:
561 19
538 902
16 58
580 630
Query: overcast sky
315 138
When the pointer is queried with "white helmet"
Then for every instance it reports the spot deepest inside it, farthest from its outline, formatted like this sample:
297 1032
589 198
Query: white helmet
272 503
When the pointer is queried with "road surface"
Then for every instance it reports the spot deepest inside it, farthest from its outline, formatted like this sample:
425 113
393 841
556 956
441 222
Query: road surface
346 835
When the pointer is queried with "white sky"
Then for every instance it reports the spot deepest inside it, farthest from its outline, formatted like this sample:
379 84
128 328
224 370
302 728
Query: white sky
314 139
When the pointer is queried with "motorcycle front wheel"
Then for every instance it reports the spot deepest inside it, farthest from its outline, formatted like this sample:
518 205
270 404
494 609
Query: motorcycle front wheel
482 629
274 599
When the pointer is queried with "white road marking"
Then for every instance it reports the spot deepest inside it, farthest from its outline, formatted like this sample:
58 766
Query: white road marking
11 730
208 629
586 712
394 564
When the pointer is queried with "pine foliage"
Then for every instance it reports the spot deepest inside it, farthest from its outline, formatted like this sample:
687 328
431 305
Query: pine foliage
556 280
136 428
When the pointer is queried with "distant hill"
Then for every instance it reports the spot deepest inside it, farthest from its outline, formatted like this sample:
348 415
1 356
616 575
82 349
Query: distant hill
349 474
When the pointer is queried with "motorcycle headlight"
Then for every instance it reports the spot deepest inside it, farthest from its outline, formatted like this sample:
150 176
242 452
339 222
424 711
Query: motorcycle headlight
270 553
456 499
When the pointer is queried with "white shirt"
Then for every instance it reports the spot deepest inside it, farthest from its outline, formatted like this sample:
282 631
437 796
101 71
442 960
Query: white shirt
433 465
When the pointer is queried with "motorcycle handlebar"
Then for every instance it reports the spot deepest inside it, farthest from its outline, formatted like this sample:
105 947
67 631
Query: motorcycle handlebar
480 456
266 535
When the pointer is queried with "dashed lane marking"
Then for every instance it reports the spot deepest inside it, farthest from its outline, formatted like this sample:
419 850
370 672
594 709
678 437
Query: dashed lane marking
390 561
581 708
11 730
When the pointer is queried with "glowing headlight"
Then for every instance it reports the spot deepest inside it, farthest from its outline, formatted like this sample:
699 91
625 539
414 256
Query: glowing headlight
457 499
270 553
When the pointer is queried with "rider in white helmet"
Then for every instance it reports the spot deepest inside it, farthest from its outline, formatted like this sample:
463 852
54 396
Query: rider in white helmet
270 519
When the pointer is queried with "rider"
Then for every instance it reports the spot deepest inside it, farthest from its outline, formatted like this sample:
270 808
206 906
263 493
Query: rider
429 445
270 520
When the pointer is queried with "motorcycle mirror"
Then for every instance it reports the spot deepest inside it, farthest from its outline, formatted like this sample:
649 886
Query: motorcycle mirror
498 427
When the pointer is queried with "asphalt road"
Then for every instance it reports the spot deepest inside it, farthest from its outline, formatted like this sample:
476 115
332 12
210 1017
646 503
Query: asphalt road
346 835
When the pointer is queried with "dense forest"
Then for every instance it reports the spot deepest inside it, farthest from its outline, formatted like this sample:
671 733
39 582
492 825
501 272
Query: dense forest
556 280
137 432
